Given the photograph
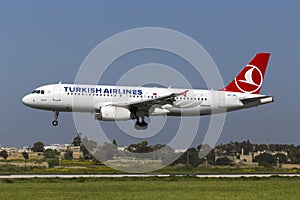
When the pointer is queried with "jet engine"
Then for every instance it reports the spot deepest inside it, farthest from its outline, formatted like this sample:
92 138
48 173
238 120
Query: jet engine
113 113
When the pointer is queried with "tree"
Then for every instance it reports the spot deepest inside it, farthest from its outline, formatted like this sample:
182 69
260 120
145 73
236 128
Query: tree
38 147
141 147
265 159
88 146
49 153
223 161
193 157
77 140
190 157
25 155
3 154
114 142
51 157
106 152
281 157
295 156
69 154
205 151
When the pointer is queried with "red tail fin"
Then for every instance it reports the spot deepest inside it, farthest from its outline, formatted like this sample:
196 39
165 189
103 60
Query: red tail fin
250 79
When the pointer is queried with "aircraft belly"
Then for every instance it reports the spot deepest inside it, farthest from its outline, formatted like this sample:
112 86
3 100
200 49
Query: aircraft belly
195 111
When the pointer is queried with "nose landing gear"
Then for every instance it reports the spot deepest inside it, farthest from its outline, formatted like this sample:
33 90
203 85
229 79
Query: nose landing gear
55 121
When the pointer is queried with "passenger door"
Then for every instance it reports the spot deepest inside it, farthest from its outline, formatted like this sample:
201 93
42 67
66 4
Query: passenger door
56 93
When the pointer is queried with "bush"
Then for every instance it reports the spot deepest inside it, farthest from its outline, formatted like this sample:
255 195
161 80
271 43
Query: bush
50 154
223 161
25 155
264 159
4 154
53 162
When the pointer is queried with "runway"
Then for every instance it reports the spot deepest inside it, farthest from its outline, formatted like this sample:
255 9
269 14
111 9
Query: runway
23 176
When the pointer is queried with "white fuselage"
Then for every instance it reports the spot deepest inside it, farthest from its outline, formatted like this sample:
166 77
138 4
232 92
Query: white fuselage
89 98
112 103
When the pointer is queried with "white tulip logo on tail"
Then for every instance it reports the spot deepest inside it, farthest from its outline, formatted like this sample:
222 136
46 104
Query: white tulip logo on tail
250 81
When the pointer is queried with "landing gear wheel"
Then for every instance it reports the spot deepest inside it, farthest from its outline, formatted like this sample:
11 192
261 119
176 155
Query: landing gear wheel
144 124
137 127
140 125
55 123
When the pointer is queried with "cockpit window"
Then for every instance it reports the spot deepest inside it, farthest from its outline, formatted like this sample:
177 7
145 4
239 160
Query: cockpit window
38 92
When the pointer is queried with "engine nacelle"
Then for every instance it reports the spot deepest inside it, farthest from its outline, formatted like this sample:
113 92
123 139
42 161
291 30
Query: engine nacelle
113 113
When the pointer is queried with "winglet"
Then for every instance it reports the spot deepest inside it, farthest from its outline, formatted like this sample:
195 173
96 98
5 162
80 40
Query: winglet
184 93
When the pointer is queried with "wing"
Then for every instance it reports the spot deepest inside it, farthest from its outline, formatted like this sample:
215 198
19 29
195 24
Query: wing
145 105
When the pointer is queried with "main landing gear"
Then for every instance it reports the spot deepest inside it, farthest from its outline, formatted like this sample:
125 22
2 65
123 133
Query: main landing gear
140 125
55 122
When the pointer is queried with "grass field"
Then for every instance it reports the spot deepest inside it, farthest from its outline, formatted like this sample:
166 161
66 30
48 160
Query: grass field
151 188
90 167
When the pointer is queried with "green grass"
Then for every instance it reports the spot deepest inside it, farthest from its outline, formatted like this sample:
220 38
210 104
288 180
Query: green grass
91 167
151 188
77 162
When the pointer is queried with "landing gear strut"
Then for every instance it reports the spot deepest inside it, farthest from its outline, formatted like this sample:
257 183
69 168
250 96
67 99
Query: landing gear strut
141 125
55 122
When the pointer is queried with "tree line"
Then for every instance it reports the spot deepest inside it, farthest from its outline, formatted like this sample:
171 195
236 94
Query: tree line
192 156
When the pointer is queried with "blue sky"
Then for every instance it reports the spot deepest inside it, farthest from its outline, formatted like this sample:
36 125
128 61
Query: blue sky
45 42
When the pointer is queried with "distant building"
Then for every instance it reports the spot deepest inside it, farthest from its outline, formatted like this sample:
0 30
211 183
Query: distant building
61 148
58 147
77 153
180 150
17 154
236 157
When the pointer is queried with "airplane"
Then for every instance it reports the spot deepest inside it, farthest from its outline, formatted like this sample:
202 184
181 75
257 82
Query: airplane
113 103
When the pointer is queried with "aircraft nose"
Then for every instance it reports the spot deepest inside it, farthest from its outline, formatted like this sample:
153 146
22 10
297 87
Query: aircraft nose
26 100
